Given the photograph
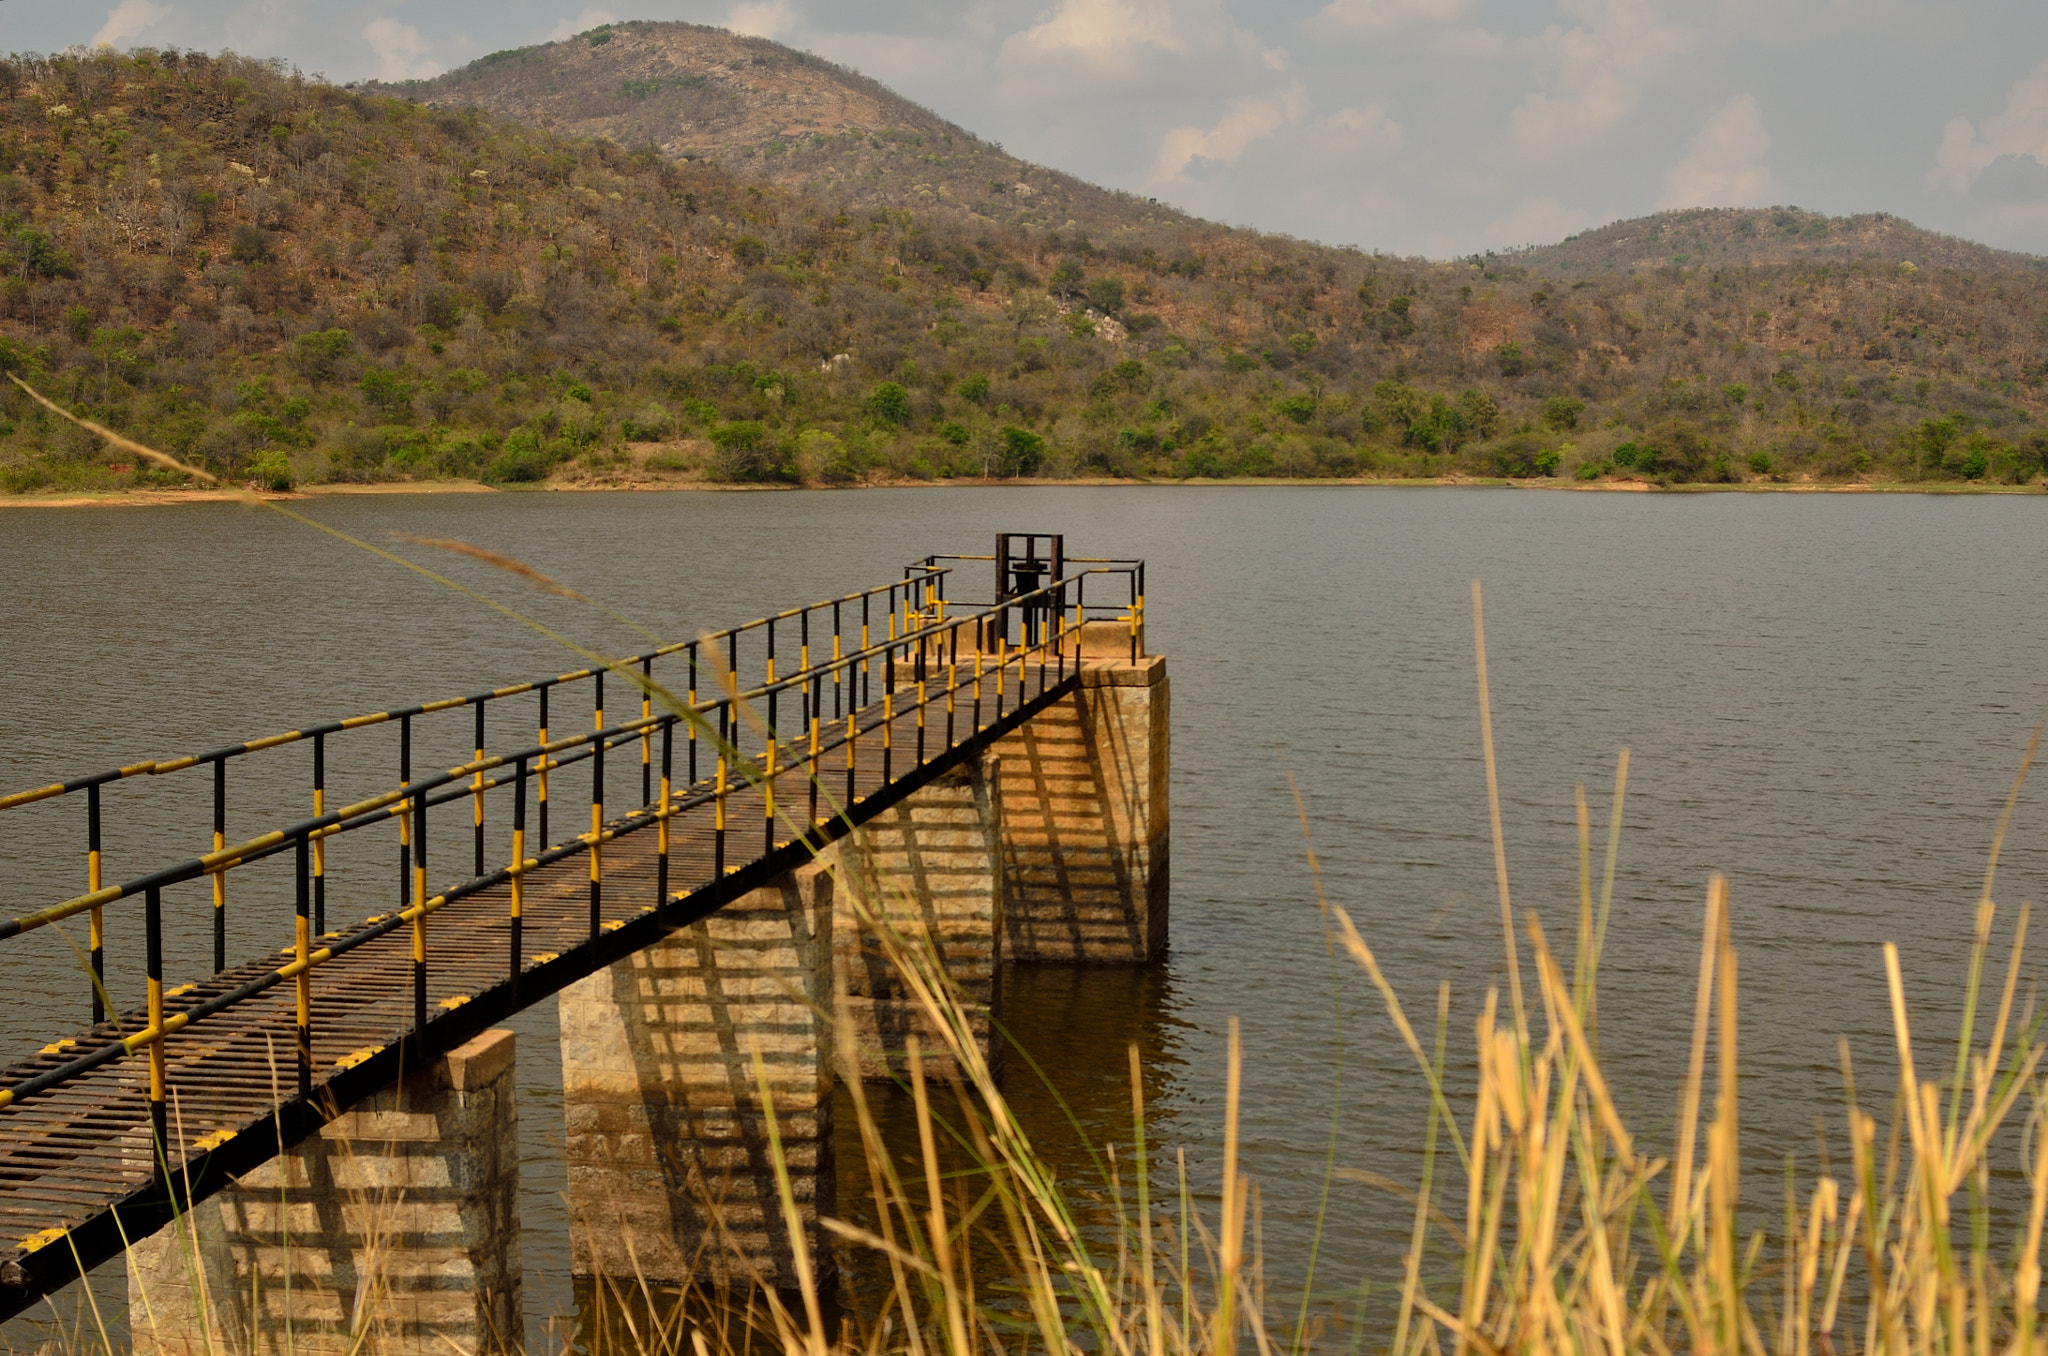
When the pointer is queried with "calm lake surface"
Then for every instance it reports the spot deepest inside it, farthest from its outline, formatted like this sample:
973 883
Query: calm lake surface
1825 697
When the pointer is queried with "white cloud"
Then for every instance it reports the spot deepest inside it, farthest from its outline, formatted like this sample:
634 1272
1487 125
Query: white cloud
129 20
1724 165
1593 75
762 18
1368 130
2021 130
591 17
1246 119
1471 44
1358 18
401 52
1115 46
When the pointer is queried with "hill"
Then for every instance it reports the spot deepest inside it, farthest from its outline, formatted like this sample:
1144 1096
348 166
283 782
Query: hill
1703 237
770 112
285 280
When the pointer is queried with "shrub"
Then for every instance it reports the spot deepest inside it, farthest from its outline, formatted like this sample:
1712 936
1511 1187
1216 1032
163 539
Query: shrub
522 460
1023 451
387 393
249 244
890 401
1562 412
1240 362
273 471
650 425
1106 295
1299 407
1760 463
974 388
955 432
317 354
749 251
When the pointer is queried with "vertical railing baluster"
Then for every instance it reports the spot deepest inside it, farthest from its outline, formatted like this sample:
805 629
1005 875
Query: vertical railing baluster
153 943
718 820
838 670
646 730
888 703
518 868
419 922
302 950
866 693
404 811
477 783
668 730
690 655
220 873
541 771
320 843
97 922
597 806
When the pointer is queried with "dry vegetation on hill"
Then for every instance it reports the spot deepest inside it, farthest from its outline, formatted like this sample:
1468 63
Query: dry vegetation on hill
286 280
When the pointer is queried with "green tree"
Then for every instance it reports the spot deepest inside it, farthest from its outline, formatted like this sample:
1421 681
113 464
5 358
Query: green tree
1302 344
1562 412
1299 407
1023 451
387 393
249 244
1735 393
749 251
890 401
974 388
317 354
1067 280
1509 358
1936 436
1397 403
1106 295
1478 415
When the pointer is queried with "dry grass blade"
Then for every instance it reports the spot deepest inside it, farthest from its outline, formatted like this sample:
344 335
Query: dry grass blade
497 560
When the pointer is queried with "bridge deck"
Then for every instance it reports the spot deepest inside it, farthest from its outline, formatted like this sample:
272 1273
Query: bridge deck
74 1157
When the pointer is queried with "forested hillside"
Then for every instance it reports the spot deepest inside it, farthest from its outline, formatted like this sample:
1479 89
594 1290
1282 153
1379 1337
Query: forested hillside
286 281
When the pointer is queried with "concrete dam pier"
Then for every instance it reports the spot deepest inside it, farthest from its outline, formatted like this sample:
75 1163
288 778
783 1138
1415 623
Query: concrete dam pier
986 785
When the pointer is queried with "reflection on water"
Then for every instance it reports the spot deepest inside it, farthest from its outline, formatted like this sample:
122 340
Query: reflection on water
1825 697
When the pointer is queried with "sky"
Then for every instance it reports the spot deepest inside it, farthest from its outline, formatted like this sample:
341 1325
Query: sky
1435 127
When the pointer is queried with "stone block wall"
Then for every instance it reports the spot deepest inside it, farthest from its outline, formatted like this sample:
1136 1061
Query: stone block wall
395 1229
930 872
1084 825
671 1178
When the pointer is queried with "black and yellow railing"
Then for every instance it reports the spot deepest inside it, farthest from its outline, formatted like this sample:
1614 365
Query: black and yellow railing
950 680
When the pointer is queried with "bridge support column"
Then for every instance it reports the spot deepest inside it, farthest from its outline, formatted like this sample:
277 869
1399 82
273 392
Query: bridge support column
929 870
398 1220
670 1173
1083 790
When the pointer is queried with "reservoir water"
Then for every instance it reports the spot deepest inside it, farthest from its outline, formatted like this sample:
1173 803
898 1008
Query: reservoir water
1825 697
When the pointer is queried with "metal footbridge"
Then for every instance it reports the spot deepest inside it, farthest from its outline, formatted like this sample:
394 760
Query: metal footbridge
744 752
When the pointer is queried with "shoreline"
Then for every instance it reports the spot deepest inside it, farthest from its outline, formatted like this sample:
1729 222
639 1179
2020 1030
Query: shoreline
151 498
